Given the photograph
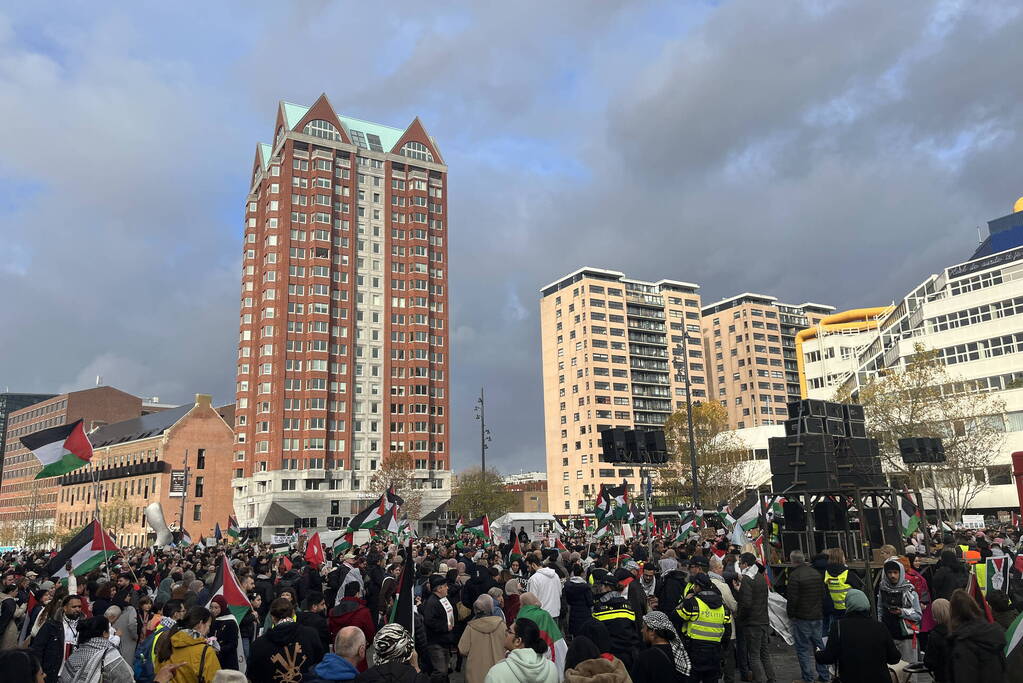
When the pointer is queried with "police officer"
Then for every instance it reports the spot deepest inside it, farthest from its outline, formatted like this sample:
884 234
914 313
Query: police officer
612 609
708 629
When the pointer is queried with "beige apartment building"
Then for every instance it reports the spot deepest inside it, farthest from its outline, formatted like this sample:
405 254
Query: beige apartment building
610 348
750 345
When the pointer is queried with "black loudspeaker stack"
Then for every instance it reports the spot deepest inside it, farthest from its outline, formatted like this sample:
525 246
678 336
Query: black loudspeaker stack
922 450
825 449
634 446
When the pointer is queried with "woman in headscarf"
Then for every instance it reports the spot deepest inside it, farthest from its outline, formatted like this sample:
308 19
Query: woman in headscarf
482 642
585 664
665 658
225 630
936 654
861 647
96 658
511 600
395 660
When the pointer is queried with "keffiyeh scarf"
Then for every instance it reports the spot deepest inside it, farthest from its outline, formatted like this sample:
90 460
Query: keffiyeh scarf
659 621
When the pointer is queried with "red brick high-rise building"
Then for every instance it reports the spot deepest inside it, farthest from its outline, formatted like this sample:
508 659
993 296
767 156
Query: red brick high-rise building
343 354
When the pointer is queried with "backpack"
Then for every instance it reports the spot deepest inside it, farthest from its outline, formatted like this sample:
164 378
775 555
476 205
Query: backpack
142 663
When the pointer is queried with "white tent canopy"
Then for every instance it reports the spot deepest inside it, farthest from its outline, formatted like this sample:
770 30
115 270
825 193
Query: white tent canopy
534 523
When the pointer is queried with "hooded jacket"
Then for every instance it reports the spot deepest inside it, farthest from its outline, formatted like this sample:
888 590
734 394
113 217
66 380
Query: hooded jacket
705 655
950 573
332 668
849 639
482 642
670 594
834 569
546 585
598 670
298 646
902 594
523 665
579 598
976 653
188 649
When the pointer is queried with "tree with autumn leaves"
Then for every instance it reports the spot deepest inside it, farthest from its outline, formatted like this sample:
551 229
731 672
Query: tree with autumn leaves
724 468
922 398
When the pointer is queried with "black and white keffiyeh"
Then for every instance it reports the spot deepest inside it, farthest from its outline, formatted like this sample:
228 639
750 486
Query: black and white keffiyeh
659 621
393 643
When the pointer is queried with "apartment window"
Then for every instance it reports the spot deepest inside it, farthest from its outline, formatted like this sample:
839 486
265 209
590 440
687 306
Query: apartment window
199 486
196 513
200 459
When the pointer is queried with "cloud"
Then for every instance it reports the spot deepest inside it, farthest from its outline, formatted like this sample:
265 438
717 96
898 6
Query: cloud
837 152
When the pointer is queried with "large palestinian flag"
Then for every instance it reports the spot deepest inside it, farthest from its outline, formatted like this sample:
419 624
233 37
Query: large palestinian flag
59 449
86 551
342 544
479 527
370 516
910 515
233 530
557 648
226 584
602 506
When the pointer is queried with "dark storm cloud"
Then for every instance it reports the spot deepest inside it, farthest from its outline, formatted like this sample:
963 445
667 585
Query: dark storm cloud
829 151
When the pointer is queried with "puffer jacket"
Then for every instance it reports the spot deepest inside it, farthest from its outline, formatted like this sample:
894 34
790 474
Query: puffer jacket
805 593
976 653
752 600
951 573
579 597
599 670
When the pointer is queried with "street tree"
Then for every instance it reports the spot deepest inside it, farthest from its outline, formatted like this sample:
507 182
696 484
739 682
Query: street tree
923 399
397 471
724 469
477 492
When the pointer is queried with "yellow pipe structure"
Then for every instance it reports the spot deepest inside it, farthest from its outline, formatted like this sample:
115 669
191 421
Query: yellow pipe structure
858 319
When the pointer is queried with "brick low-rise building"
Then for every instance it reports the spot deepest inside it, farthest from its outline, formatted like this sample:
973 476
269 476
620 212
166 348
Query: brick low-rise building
30 502
530 496
134 460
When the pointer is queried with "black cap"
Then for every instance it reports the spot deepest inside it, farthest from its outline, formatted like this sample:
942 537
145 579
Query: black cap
622 574
438 580
699 561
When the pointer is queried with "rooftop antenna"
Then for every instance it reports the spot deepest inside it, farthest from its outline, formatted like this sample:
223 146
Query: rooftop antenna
99 380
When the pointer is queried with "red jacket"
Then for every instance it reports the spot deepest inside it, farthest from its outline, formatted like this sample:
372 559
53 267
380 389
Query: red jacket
351 612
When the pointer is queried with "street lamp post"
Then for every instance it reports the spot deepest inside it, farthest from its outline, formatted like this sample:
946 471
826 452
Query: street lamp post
484 432
689 413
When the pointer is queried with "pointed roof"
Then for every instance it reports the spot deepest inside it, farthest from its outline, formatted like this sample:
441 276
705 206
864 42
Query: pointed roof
278 515
265 151
416 132
142 427
389 136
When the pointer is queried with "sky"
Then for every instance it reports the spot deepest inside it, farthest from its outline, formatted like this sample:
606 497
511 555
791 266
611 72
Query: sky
826 151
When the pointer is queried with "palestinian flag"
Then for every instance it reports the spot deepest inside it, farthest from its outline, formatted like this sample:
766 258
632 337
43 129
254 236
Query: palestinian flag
667 529
725 513
1013 636
86 551
635 516
650 523
60 449
342 544
620 499
973 588
389 522
603 529
233 530
403 609
557 527
776 509
225 583
370 517
690 523
602 506
910 515
280 549
186 538
557 648
479 527
559 545
516 551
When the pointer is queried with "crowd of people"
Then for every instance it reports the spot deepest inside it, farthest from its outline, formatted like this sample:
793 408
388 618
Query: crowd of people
701 611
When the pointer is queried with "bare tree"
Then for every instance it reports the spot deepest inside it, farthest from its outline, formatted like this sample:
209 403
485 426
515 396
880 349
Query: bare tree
922 399
397 471
724 469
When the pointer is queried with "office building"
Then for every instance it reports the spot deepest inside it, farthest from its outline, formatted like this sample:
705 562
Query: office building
30 502
10 402
134 461
343 350
971 313
750 344
610 347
